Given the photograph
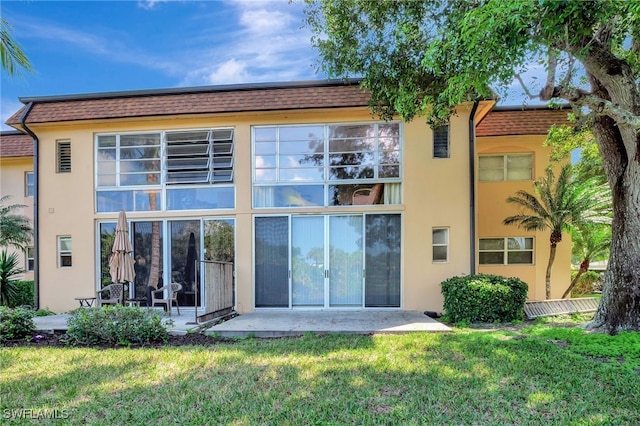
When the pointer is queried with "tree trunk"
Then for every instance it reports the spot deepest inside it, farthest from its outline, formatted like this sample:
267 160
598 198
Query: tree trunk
547 282
619 145
584 267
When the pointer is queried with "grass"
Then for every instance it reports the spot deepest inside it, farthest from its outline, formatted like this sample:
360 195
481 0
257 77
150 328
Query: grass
530 376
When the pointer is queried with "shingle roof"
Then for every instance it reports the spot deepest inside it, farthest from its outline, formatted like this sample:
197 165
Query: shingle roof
529 121
214 99
15 144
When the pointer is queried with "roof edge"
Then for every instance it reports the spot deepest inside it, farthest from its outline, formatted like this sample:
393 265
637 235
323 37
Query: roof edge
523 107
192 90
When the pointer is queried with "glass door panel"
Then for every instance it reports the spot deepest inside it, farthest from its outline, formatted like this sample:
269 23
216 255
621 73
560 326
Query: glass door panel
184 252
147 251
107 236
272 262
307 261
345 261
382 260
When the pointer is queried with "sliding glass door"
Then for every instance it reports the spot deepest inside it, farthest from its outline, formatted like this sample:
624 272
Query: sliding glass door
340 261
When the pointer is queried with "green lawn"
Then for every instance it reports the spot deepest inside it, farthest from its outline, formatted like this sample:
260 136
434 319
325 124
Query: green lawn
531 376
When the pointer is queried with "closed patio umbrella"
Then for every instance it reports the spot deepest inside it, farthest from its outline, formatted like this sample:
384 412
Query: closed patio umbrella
121 263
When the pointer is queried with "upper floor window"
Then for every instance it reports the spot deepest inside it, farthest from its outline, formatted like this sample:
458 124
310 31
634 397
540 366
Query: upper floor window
29 184
63 156
170 170
441 142
506 251
508 167
315 165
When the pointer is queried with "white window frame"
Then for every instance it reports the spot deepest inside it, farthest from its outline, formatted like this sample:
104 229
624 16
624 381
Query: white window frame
29 259
29 184
162 186
505 169
434 244
64 252
505 251
326 182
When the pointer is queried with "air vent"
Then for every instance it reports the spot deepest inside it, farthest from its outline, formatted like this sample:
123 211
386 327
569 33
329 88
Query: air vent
64 157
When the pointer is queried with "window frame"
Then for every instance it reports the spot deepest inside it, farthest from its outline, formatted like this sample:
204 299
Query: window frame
132 193
29 259
326 182
505 251
64 252
505 168
447 244
29 184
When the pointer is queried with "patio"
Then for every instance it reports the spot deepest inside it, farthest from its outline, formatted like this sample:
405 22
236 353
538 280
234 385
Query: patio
288 323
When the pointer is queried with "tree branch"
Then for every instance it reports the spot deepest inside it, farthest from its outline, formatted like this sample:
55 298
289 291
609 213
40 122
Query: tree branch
524 87
598 105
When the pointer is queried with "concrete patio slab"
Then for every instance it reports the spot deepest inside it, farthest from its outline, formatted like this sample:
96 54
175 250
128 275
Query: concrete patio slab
282 323
295 323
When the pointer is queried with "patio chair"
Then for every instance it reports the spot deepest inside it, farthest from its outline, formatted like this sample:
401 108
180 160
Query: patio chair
110 294
364 196
158 296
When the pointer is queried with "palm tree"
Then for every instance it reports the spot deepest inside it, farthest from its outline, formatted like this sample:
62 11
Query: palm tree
15 229
589 241
556 205
13 58
8 269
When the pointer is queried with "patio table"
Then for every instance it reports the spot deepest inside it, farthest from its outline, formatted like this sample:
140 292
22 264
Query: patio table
86 302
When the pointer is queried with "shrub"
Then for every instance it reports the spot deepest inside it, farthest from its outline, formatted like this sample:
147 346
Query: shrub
44 312
586 284
486 298
24 293
15 323
116 325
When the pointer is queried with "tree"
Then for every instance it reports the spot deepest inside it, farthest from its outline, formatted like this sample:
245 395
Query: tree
424 57
13 58
15 229
590 241
9 268
556 205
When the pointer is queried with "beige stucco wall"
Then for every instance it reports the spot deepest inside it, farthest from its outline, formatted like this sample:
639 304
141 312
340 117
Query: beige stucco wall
435 194
12 183
493 208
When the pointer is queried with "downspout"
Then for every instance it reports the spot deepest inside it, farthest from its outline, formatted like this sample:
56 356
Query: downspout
36 220
472 188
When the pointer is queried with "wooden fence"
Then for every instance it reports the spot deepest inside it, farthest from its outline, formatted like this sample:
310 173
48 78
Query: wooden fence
218 289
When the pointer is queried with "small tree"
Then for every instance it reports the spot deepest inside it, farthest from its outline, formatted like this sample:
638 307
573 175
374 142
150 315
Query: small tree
15 229
9 268
590 241
556 205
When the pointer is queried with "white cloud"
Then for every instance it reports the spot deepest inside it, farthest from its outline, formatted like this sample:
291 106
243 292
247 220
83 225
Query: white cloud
150 4
269 44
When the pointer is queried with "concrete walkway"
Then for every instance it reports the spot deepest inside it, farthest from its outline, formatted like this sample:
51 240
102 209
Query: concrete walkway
282 323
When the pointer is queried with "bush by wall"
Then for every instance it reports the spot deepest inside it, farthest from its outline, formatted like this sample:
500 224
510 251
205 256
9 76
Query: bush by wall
116 325
483 297
15 323
24 294
587 283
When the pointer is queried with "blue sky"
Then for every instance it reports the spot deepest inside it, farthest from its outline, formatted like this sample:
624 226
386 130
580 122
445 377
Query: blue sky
101 46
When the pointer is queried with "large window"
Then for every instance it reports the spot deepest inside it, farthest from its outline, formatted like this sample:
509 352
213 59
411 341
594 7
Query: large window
506 251
165 171
509 167
318 165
